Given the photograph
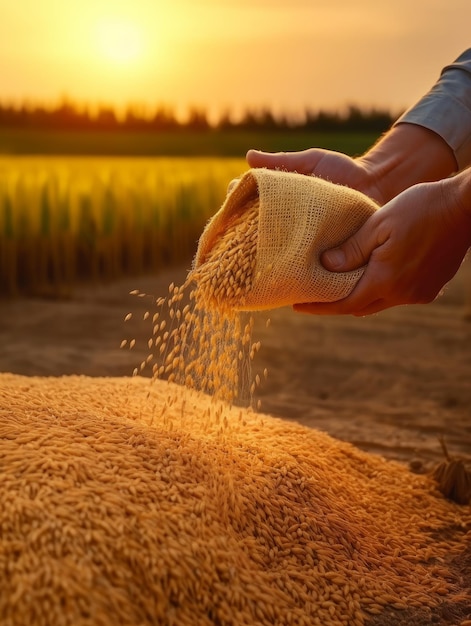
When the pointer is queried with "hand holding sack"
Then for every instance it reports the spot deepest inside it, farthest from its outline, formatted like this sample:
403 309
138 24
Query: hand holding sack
262 249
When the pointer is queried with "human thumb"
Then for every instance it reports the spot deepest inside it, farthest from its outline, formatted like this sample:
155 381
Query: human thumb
352 254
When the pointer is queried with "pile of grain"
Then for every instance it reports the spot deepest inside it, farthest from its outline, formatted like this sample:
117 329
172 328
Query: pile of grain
130 503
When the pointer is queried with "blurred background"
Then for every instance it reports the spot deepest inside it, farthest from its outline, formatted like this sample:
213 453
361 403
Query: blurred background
228 56
153 81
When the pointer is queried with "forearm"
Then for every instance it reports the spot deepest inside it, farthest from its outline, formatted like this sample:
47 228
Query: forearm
408 154
446 109
431 140
428 143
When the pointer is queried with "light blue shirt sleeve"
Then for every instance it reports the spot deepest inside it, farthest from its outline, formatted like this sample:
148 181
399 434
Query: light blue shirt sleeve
446 108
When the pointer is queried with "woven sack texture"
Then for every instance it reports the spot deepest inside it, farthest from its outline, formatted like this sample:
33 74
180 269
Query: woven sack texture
299 218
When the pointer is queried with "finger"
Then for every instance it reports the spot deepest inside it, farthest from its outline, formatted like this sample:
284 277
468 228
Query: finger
355 252
324 308
302 162
373 308
363 300
341 308
318 308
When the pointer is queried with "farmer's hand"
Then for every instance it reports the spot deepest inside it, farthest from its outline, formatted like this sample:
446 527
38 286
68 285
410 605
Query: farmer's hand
334 166
406 155
411 247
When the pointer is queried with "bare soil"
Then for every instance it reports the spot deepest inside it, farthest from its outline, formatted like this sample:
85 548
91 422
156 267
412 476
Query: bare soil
392 383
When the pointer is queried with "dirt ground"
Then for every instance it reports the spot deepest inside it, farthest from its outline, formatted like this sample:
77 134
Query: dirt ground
392 384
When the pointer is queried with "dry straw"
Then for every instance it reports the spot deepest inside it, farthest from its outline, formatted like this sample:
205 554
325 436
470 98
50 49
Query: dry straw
124 503
453 476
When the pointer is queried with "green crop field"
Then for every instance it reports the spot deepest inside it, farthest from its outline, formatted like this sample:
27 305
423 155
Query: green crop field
68 219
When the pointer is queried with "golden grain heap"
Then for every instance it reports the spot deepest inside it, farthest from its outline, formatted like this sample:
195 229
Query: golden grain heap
128 503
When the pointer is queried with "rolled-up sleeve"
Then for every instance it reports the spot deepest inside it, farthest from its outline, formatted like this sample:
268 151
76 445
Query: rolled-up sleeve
446 108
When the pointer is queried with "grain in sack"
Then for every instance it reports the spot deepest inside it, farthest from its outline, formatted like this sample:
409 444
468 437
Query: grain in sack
262 249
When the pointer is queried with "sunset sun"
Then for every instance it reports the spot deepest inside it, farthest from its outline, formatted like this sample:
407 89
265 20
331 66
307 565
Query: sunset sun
119 42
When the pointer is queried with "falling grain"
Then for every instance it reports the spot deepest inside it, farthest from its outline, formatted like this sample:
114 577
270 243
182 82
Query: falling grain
209 346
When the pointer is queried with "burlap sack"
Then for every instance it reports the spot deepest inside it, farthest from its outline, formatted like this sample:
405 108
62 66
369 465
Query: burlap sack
299 218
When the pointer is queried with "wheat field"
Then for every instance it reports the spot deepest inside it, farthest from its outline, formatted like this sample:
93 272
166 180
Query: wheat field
69 220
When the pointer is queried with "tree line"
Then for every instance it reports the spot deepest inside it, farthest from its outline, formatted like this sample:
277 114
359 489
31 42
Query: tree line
67 116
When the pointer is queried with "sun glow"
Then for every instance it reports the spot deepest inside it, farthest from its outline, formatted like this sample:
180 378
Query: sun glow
120 42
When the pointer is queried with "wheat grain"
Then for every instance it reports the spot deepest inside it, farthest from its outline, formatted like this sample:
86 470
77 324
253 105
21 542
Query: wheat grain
208 334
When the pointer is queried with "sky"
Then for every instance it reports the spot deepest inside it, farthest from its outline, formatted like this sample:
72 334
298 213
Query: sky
228 55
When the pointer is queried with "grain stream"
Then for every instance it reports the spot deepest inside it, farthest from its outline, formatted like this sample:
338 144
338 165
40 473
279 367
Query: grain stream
200 339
